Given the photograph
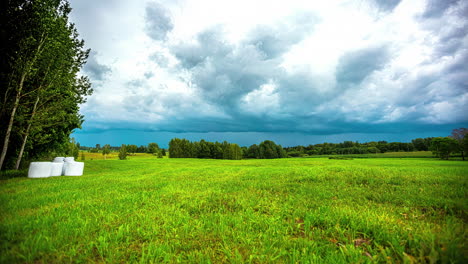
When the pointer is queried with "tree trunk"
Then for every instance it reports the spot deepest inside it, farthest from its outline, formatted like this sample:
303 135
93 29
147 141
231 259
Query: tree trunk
12 118
28 67
20 155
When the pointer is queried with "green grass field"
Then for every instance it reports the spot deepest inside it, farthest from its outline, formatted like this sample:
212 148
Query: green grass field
151 210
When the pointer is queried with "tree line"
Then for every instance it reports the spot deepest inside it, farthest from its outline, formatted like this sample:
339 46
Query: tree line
350 147
41 87
183 148
151 148
442 147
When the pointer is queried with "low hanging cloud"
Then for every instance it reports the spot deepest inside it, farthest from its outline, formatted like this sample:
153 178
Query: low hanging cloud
355 66
95 70
387 5
436 8
158 21
369 66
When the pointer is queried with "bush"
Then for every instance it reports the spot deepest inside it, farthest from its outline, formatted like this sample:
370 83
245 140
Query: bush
123 152
106 150
443 146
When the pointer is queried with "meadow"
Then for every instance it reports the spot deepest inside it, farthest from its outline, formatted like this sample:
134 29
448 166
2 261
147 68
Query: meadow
297 210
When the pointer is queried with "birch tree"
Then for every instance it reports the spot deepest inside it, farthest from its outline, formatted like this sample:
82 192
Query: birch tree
42 88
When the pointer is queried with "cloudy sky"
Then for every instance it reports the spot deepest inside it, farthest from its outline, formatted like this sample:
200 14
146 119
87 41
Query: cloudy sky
297 72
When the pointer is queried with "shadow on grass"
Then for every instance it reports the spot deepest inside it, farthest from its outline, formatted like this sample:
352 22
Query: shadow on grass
10 174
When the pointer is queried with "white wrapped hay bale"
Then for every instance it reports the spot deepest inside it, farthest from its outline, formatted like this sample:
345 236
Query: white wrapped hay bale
56 169
74 168
39 169
69 159
59 159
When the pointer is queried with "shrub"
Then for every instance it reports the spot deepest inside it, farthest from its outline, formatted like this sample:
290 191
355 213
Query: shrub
123 152
443 146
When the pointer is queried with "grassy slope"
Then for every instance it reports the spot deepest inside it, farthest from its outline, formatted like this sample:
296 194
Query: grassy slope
187 210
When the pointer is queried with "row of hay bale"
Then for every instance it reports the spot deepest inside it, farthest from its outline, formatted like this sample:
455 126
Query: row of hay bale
58 167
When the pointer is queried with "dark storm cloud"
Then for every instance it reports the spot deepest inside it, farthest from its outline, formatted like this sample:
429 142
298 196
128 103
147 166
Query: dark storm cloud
209 45
355 66
451 36
158 21
387 5
436 8
224 73
450 83
299 94
275 41
94 69
226 78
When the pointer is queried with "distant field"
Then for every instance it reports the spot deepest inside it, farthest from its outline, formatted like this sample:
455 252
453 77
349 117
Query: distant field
112 155
414 154
251 211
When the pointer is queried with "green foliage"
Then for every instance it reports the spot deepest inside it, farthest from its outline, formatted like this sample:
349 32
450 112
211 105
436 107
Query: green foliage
269 150
231 151
373 150
153 148
149 210
460 135
83 156
142 149
72 149
442 147
132 149
182 148
123 152
350 147
253 152
39 73
94 150
295 153
422 144
106 150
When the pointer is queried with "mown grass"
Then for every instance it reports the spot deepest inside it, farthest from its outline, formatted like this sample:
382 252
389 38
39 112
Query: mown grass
151 210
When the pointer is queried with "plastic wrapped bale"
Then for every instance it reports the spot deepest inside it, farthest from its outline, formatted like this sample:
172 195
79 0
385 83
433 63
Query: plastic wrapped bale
74 168
39 169
69 159
56 169
59 159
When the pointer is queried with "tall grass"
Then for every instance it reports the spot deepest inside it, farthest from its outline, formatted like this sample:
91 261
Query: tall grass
153 210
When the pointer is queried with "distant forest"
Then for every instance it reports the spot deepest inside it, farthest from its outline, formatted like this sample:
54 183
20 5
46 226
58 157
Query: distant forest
183 148
350 147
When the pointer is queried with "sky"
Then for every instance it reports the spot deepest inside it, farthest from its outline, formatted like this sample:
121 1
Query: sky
297 72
